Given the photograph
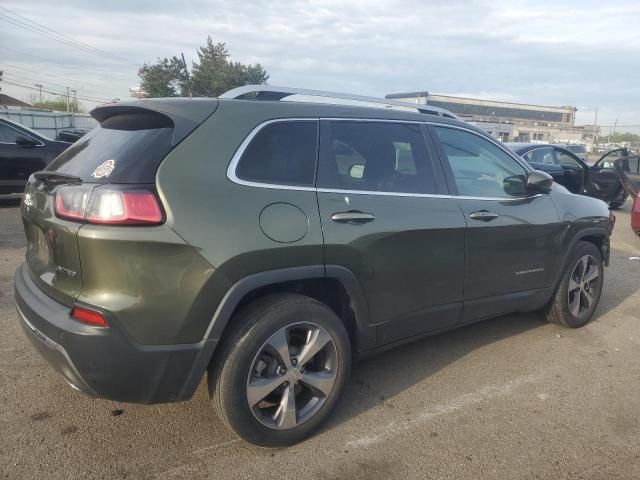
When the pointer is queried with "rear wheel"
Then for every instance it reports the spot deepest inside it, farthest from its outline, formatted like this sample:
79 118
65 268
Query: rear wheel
579 291
282 370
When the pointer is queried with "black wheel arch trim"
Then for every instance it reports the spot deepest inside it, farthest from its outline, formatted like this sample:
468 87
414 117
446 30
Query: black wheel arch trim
605 248
365 334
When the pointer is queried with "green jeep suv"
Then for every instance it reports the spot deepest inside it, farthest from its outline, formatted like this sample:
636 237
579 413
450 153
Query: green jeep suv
270 235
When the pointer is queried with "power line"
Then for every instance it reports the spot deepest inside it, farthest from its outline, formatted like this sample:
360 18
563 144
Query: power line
42 73
54 86
10 20
74 81
19 79
63 94
35 27
32 23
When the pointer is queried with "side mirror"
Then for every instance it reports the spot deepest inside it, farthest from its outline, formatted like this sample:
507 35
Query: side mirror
539 182
26 142
515 186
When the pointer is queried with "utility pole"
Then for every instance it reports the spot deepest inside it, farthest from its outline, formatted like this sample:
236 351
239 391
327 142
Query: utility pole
74 104
186 72
615 124
595 128
74 107
39 88
67 99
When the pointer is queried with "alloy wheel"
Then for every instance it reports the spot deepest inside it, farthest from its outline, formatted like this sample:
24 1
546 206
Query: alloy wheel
292 375
583 284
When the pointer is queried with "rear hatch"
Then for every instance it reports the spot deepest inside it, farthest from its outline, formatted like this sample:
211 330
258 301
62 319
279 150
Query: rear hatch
121 155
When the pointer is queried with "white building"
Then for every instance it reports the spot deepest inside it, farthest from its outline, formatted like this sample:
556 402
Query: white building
508 121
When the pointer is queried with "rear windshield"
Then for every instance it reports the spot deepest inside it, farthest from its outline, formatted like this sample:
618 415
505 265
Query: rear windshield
126 148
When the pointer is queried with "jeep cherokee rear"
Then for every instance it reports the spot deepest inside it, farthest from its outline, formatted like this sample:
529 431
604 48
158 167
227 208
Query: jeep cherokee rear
269 241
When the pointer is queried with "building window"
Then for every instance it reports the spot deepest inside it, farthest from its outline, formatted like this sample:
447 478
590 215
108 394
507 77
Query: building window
538 136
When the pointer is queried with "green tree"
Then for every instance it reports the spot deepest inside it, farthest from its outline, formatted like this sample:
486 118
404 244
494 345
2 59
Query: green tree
625 137
212 74
165 78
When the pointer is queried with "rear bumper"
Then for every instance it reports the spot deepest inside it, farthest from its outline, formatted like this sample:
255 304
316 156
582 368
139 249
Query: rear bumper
106 362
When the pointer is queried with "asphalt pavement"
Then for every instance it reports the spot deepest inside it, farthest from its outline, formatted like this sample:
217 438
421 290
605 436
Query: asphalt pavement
508 398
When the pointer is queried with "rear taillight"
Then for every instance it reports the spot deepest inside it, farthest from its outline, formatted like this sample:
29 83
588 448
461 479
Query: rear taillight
90 317
108 204
71 202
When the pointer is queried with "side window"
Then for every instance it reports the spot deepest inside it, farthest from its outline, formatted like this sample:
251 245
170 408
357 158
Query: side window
609 159
8 134
480 168
540 155
376 156
282 153
566 160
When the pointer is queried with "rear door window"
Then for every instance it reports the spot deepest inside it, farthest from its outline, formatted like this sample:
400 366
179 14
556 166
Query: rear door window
282 153
135 143
376 156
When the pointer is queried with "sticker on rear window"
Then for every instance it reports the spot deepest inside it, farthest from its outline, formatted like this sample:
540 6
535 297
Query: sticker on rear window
104 169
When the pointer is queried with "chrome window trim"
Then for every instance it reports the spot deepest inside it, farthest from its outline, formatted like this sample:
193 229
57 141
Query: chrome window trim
40 143
231 169
235 159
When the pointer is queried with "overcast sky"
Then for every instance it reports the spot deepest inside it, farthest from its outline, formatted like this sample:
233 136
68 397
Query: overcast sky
582 53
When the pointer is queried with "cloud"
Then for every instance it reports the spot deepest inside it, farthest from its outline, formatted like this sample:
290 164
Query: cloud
560 53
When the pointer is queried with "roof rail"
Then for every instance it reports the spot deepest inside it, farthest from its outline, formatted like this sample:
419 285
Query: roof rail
269 92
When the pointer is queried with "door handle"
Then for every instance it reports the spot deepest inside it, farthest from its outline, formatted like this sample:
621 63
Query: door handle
483 215
352 217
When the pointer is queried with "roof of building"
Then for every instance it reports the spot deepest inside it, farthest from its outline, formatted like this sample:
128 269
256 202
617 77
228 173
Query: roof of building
7 101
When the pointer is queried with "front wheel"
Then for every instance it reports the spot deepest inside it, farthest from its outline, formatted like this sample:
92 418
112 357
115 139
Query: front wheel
579 291
282 370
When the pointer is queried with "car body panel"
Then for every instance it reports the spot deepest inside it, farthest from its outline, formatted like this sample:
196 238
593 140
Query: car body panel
169 291
18 162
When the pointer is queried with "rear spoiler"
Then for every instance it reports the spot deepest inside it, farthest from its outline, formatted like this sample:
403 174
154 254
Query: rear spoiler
183 114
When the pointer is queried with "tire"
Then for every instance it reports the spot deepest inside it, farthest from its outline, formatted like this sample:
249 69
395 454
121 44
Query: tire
251 358
585 295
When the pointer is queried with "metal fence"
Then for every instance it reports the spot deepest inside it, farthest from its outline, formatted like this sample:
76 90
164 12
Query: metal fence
46 122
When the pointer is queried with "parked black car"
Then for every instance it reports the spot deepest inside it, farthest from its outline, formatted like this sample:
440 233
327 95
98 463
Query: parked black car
72 134
22 152
598 180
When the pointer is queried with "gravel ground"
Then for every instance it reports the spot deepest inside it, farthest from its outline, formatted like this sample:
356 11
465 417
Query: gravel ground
512 397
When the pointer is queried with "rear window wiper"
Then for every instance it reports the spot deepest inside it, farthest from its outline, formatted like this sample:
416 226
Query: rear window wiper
56 177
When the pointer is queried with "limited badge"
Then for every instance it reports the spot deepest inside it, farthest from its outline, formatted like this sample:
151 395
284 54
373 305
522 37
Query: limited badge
104 169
